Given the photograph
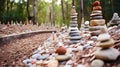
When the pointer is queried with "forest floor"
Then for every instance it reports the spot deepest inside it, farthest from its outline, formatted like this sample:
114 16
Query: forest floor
13 54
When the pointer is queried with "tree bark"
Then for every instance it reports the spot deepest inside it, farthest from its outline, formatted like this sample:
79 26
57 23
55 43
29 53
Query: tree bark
28 12
52 14
34 11
73 3
63 12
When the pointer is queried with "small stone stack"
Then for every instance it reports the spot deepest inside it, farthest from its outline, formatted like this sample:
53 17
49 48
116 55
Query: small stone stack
97 23
106 51
115 21
74 32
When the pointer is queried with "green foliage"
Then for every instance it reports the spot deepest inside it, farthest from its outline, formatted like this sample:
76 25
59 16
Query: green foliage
17 11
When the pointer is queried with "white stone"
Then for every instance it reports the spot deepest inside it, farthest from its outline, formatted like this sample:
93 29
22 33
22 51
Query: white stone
103 37
97 63
107 54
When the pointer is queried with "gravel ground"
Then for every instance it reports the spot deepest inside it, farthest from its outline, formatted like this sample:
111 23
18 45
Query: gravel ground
12 54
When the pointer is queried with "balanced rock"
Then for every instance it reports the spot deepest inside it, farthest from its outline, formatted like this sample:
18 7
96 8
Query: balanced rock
96 22
96 3
97 63
95 33
107 54
115 20
102 28
74 32
61 50
105 44
103 37
63 57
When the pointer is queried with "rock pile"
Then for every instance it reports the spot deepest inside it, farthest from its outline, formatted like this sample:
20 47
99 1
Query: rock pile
115 21
74 32
97 23
106 51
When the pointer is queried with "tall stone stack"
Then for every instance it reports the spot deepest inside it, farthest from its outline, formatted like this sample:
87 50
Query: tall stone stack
97 23
74 32
115 21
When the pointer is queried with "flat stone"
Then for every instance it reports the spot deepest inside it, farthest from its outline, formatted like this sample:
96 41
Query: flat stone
73 22
103 37
97 63
106 44
94 28
73 25
95 14
73 17
75 41
97 11
95 33
96 17
74 34
107 54
74 14
97 22
74 37
63 57
73 29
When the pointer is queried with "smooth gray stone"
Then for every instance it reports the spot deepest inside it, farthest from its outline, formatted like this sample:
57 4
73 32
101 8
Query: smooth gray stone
75 34
74 31
97 63
75 41
35 56
73 25
73 22
36 52
75 37
27 61
107 54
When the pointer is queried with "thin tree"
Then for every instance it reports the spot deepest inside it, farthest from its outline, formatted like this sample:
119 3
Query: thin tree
34 11
52 14
28 12
63 12
82 11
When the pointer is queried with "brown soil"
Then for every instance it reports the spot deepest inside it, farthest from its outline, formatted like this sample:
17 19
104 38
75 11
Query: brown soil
12 54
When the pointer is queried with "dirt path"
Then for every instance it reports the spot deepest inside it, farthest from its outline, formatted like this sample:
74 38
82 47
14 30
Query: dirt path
12 54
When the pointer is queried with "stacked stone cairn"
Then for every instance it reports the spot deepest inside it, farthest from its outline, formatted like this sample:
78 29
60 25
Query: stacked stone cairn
115 21
104 51
97 23
104 44
73 30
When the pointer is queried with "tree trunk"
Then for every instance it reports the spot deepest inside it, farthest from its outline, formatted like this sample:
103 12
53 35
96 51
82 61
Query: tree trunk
73 3
52 14
34 11
82 12
28 12
63 13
